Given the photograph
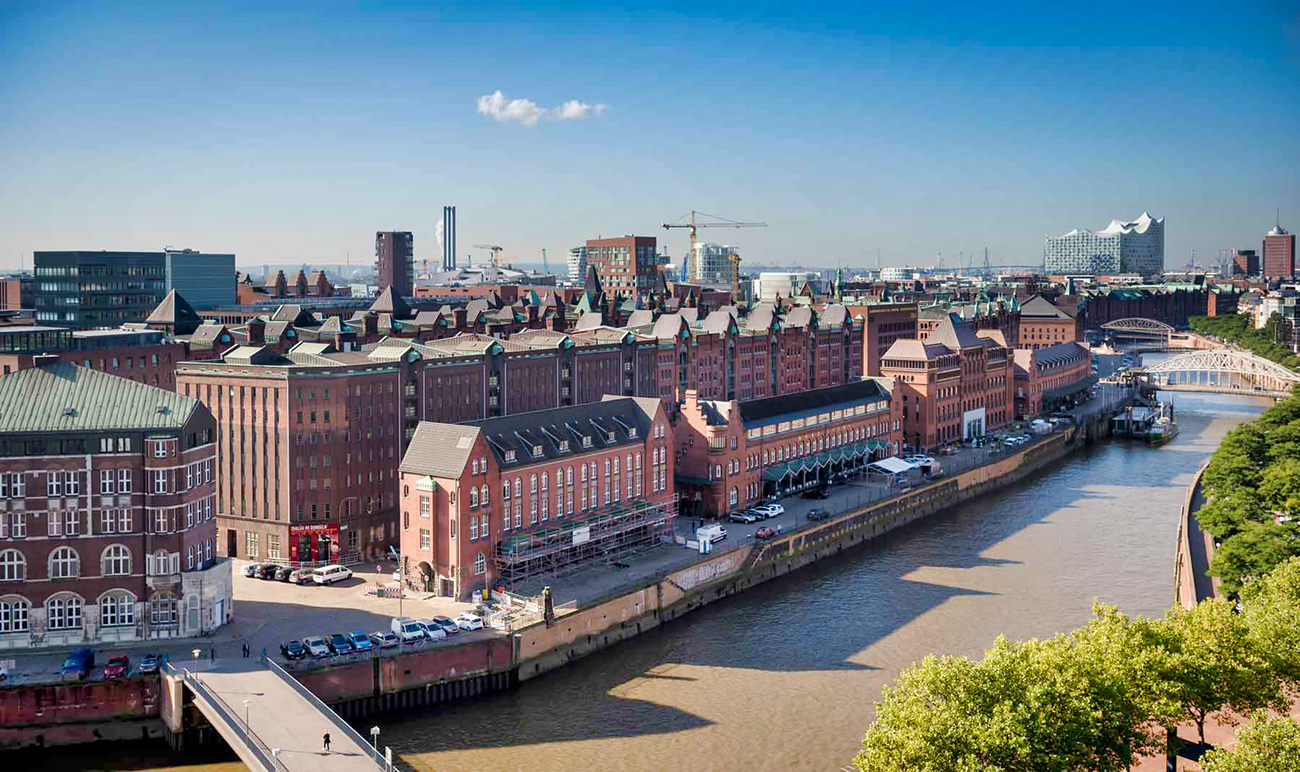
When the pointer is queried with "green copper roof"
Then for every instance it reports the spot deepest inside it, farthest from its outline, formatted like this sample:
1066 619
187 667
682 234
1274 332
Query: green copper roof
65 397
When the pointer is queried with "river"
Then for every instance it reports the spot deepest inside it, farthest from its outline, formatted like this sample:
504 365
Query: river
783 676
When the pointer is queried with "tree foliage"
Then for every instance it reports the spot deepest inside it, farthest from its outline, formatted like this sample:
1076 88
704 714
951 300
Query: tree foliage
1238 329
1264 744
1271 611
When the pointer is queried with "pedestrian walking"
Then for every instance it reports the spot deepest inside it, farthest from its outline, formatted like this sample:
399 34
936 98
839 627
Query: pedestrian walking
212 654
327 742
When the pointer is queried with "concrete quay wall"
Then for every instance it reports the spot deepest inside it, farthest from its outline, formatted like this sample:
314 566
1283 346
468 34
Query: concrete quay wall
65 714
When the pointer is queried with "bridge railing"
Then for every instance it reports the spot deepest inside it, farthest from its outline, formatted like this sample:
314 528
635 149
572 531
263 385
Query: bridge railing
232 719
324 709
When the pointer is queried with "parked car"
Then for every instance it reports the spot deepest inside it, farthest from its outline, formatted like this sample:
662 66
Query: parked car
360 641
448 625
764 532
148 664
818 514
267 571
339 644
117 667
283 573
316 646
384 640
408 630
302 576
293 650
742 517
712 533
250 569
770 510
816 493
332 574
77 666
432 630
949 450
469 622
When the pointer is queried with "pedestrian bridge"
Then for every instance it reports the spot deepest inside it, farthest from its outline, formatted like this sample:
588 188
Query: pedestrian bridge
269 719
1222 371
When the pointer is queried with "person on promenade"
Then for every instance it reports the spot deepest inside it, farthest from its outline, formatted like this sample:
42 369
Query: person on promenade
326 739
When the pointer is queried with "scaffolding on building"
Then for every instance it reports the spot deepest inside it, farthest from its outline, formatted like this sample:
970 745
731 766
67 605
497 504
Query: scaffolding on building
576 541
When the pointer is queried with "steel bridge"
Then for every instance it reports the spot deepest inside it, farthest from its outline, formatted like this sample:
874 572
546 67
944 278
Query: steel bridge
1222 371
1140 330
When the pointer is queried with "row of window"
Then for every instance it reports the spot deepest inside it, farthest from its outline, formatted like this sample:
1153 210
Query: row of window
64 611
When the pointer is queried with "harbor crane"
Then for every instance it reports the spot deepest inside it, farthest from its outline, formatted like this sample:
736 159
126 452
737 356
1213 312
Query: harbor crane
691 225
496 250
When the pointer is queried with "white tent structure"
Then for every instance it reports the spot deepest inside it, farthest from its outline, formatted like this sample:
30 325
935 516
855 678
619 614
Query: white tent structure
890 468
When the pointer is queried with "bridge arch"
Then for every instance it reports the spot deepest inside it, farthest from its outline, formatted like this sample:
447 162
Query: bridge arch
1138 325
1227 367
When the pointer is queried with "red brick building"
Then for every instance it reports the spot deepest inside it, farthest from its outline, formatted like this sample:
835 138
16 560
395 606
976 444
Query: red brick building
627 265
883 323
732 454
1278 254
1043 323
955 384
508 499
1048 376
107 524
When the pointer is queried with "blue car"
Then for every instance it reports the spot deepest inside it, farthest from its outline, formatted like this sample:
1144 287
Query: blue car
360 640
77 666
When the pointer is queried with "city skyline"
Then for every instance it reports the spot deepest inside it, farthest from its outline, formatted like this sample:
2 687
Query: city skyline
850 133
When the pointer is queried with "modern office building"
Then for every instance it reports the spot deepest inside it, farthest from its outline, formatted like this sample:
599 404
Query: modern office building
449 238
1245 263
107 521
395 262
86 289
773 284
627 265
577 264
1121 247
711 263
1279 253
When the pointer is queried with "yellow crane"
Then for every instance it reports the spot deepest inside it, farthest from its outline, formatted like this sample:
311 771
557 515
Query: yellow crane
496 250
691 225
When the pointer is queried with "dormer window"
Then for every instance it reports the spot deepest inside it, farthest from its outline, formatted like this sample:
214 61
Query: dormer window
609 437
631 433
586 440
510 456
564 446
537 451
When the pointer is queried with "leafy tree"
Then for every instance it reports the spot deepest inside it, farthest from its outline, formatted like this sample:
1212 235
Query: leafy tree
1252 552
1215 670
1271 611
1279 487
1264 744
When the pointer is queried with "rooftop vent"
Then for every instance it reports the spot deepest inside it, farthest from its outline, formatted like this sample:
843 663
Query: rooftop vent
164 410
69 411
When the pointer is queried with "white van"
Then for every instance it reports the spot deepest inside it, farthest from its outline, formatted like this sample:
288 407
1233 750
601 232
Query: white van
711 533
331 574
407 630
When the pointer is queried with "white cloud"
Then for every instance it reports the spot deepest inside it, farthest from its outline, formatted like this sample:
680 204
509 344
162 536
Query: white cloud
525 112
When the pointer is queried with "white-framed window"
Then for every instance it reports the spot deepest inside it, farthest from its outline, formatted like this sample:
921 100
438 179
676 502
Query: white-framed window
14 614
483 531
207 471
189 515
426 507
473 528
250 544
116 560
485 497
124 521
160 521
17 524
480 564
54 524
473 498
63 612
162 609
532 485
519 515
272 546
73 483
124 481
160 481
117 609
13 566
160 449
505 491
54 483
108 521
18 485
735 497
189 475
425 538
532 512
65 563
107 481
189 557
4 485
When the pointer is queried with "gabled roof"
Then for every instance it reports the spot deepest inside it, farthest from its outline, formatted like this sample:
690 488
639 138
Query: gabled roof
1040 307
590 321
331 325
799 317
174 310
719 321
390 302
641 318
440 450
208 334
669 326
66 398
954 333
911 348
812 401
539 436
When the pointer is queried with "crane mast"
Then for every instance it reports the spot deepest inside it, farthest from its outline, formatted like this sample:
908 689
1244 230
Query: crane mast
691 226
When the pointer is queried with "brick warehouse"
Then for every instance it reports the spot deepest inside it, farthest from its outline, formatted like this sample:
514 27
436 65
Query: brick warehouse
107 523
510 498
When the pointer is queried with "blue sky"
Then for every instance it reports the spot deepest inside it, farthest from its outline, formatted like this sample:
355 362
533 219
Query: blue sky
293 134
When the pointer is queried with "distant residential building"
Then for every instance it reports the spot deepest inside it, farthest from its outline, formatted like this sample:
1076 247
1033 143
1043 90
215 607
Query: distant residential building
1121 247
577 264
774 284
1043 323
1246 263
106 289
736 453
17 292
1051 375
144 356
1279 254
627 265
897 273
107 530
395 262
543 494
711 263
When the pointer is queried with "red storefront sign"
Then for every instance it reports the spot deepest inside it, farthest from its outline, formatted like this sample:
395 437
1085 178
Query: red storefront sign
314 542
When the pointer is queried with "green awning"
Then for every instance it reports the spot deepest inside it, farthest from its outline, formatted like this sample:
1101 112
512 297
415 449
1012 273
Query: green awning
776 473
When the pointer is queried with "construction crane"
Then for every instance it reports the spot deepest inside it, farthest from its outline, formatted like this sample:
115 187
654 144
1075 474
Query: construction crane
691 225
496 250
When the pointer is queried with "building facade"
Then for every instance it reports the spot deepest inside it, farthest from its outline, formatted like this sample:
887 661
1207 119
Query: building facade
577 264
628 265
1245 263
107 527
955 384
1049 376
733 454
883 323
1279 254
106 289
395 262
145 356
1043 323
507 500
1121 247
711 263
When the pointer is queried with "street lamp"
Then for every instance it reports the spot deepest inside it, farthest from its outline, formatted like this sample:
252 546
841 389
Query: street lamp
374 740
246 726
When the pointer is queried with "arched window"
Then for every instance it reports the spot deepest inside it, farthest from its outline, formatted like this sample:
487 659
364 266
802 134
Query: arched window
14 613
519 487
485 496
63 612
607 466
505 491
116 609
570 475
638 459
473 497
116 560
546 481
161 563
13 566
475 466
65 564
532 484
162 609
584 473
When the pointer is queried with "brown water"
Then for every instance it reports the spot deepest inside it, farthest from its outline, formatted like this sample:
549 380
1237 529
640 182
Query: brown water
783 676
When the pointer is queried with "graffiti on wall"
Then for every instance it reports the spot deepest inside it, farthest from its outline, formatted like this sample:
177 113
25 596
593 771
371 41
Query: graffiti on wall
690 578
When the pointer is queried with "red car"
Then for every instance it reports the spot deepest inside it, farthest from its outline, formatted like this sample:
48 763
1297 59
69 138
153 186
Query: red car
116 667
764 533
